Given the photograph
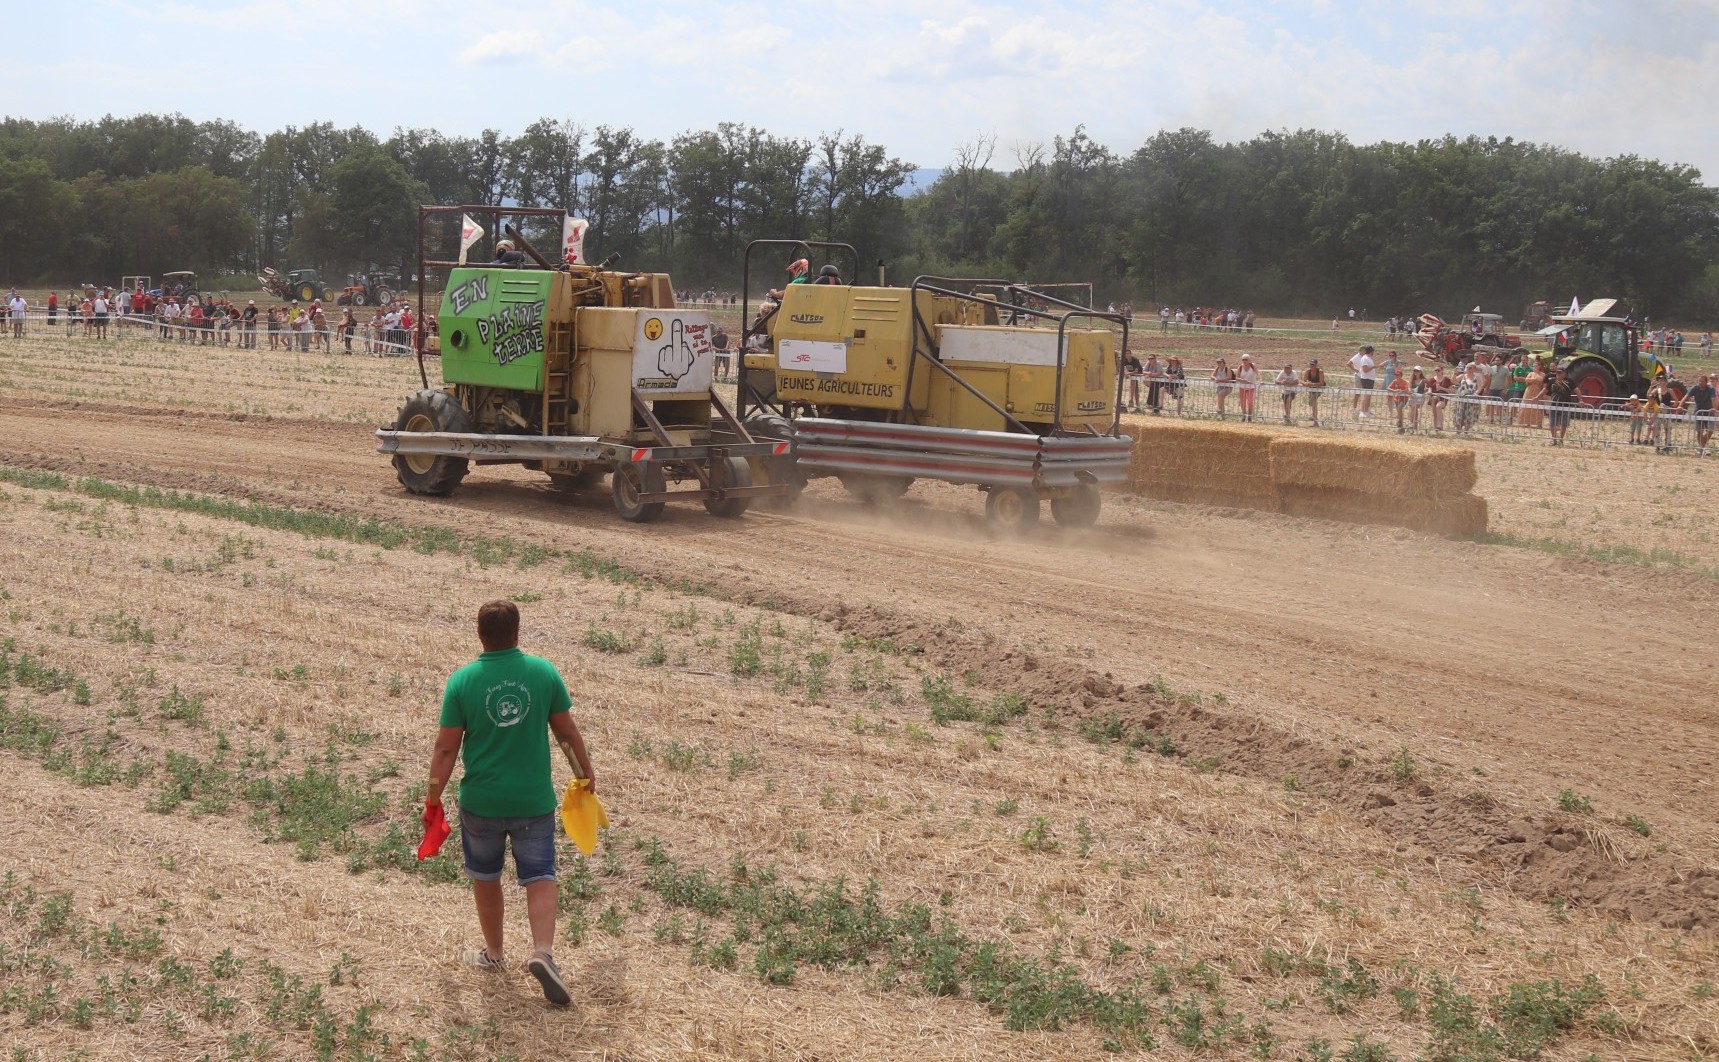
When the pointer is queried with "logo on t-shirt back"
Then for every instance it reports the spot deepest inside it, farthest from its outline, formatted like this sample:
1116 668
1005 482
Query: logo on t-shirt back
506 702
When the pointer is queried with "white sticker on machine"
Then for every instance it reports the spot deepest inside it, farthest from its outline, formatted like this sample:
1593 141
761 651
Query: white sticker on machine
672 354
810 355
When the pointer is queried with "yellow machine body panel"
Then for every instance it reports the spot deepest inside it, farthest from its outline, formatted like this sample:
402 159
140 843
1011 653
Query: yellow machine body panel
603 370
847 346
663 354
1016 368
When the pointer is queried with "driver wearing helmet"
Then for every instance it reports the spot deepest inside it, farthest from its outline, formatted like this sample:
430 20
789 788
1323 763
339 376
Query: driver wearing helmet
507 257
799 272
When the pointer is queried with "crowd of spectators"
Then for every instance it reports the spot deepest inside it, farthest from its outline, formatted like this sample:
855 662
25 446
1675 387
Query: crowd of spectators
210 320
1497 389
1230 320
707 297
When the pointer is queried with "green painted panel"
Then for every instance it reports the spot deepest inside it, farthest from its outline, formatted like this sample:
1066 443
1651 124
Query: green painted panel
491 327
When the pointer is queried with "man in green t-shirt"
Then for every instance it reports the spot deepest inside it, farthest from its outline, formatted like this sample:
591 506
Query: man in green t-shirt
498 710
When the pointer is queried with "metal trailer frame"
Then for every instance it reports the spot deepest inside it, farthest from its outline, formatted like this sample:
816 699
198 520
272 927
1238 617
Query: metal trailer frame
706 462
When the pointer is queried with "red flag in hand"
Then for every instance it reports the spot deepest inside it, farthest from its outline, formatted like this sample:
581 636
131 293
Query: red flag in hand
436 830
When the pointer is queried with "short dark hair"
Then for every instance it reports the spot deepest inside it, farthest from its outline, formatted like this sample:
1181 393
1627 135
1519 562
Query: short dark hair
498 625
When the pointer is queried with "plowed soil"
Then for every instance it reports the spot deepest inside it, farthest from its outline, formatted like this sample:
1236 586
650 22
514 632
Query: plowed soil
1410 729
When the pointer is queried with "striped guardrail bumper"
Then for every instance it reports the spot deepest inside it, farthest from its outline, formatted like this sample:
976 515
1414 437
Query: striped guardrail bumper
958 455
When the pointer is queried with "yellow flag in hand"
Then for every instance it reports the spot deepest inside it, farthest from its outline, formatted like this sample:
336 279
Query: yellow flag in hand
582 814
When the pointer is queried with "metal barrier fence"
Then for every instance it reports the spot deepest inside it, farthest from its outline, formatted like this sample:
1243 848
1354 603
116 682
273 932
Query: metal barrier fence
392 343
1459 419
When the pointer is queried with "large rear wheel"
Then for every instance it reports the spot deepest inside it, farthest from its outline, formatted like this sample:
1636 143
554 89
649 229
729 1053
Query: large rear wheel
307 292
631 479
1012 508
431 410
739 474
1594 384
1078 508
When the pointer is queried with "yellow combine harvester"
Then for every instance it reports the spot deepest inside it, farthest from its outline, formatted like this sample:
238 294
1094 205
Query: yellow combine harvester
970 381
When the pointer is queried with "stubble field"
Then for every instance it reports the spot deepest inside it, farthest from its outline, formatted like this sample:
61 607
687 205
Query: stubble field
883 784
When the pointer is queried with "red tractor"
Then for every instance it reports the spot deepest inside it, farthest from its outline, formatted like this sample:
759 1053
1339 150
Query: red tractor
1456 345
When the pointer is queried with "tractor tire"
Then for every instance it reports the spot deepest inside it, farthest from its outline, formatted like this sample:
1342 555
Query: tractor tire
1012 508
358 299
875 489
384 297
775 469
739 475
307 292
1078 508
630 479
1594 384
431 410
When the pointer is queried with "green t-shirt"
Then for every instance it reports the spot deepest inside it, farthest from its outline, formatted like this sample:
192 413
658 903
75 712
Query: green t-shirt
504 700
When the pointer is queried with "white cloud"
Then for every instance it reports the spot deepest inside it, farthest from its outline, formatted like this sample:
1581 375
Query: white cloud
502 48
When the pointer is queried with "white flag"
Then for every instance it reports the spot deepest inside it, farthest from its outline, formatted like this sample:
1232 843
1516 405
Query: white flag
1575 307
573 240
470 233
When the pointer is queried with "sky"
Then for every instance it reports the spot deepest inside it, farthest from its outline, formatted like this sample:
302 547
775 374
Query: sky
920 77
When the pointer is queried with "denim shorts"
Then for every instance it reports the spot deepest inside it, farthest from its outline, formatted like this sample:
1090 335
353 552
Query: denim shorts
485 843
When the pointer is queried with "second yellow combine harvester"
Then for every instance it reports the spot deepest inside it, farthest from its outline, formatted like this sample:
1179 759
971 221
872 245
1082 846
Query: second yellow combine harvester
969 381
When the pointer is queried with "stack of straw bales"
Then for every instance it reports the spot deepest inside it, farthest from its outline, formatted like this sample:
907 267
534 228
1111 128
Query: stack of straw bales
1364 481
1214 464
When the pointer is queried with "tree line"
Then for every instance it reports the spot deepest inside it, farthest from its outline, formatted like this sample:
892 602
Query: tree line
1302 222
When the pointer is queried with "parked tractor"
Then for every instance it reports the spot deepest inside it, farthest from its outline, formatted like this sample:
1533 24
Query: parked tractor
1537 316
975 381
305 285
179 284
1457 344
577 371
369 289
1603 354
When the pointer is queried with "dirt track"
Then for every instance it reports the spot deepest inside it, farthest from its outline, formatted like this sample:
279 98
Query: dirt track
1519 674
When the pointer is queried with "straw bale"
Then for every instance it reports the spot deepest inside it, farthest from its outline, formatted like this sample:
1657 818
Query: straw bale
1210 464
1373 467
1461 516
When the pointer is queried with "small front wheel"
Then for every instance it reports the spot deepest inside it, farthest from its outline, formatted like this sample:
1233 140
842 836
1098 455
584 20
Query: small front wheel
632 479
1013 508
738 473
1078 508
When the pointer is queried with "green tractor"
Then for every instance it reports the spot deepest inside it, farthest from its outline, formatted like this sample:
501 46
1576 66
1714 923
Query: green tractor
1602 353
305 285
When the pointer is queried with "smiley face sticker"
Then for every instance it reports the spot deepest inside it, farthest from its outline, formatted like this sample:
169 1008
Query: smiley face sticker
654 328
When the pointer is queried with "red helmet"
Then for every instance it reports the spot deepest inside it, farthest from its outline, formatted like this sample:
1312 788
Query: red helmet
799 267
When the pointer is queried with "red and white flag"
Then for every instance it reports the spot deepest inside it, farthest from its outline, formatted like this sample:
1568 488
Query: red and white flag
470 233
573 240
1575 307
